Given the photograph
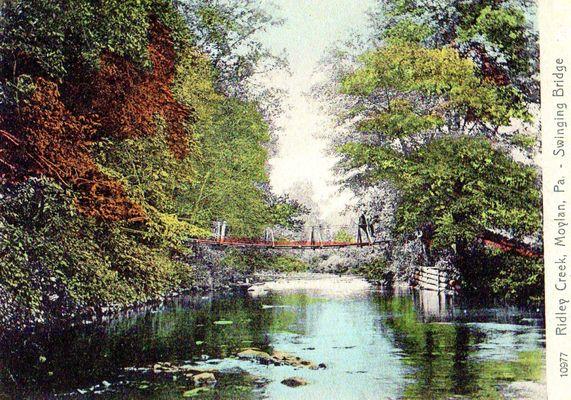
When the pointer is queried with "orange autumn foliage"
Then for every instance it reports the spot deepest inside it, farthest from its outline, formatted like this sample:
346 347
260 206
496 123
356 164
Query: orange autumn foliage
51 134
51 141
126 99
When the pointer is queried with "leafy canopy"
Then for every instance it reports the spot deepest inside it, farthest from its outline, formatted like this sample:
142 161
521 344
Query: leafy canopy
461 187
441 76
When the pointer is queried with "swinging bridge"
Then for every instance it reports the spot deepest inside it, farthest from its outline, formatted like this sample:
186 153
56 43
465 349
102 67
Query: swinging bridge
316 237
326 237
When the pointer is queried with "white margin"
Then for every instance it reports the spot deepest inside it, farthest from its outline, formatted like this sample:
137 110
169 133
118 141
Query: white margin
555 50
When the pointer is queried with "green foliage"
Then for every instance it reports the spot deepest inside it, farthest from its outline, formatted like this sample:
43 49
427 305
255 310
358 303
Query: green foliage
343 236
523 141
231 170
250 261
505 29
499 36
375 270
123 28
407 30
52 258
156 180
194 86
507 276
40 29
284 211
59 34
461 187
288 264
450 82
400 121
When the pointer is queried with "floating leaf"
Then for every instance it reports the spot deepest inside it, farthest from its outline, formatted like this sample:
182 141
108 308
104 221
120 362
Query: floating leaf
223 322
195 392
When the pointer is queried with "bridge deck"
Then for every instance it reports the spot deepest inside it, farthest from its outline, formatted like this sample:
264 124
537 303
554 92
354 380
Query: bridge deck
500 243
283 245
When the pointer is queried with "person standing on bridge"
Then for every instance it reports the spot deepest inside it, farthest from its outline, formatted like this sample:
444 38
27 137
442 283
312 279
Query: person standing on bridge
363 226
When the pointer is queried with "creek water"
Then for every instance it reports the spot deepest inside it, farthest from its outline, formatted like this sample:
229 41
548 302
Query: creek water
375 344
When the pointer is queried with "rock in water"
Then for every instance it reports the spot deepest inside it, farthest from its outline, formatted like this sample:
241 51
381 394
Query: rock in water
205 378
277 358
283 358
294 381
257 355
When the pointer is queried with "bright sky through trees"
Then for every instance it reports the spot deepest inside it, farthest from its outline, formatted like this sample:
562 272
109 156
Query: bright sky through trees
309 28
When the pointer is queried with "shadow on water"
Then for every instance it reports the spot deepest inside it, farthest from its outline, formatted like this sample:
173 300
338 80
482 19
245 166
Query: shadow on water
60 360
386 345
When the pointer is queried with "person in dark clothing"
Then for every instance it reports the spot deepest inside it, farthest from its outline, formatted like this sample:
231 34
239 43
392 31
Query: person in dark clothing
363 227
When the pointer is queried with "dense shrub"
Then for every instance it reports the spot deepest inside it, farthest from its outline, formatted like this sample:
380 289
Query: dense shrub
504 276
250 261
56 262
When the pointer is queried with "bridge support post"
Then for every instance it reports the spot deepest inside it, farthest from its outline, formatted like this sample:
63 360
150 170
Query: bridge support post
222 231
217 227
269 236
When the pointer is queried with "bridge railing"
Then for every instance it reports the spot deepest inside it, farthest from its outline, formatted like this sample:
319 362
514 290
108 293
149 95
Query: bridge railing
311 235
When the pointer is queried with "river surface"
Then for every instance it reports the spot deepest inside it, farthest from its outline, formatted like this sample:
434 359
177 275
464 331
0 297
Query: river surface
375 345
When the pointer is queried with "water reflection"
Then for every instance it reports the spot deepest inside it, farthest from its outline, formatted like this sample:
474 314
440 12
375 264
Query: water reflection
376 345
457 358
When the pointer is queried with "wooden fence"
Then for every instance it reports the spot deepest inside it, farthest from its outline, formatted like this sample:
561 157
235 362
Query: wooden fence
431 278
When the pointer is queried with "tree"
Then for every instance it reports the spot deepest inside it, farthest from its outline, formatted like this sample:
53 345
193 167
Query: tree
500 37
430 102
227 32
117 145
417 94
457 188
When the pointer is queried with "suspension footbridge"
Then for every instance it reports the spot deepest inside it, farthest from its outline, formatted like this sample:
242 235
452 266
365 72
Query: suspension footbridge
316 237
361 234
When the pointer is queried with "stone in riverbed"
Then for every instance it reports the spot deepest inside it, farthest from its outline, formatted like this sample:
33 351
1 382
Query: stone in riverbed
205 378
256 355
277 358
289 359
164 367
294 381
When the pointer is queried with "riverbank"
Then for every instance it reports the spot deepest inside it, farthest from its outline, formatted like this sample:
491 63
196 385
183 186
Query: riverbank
205 271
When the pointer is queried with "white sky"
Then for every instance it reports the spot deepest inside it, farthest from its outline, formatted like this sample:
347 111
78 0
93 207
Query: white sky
310 27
